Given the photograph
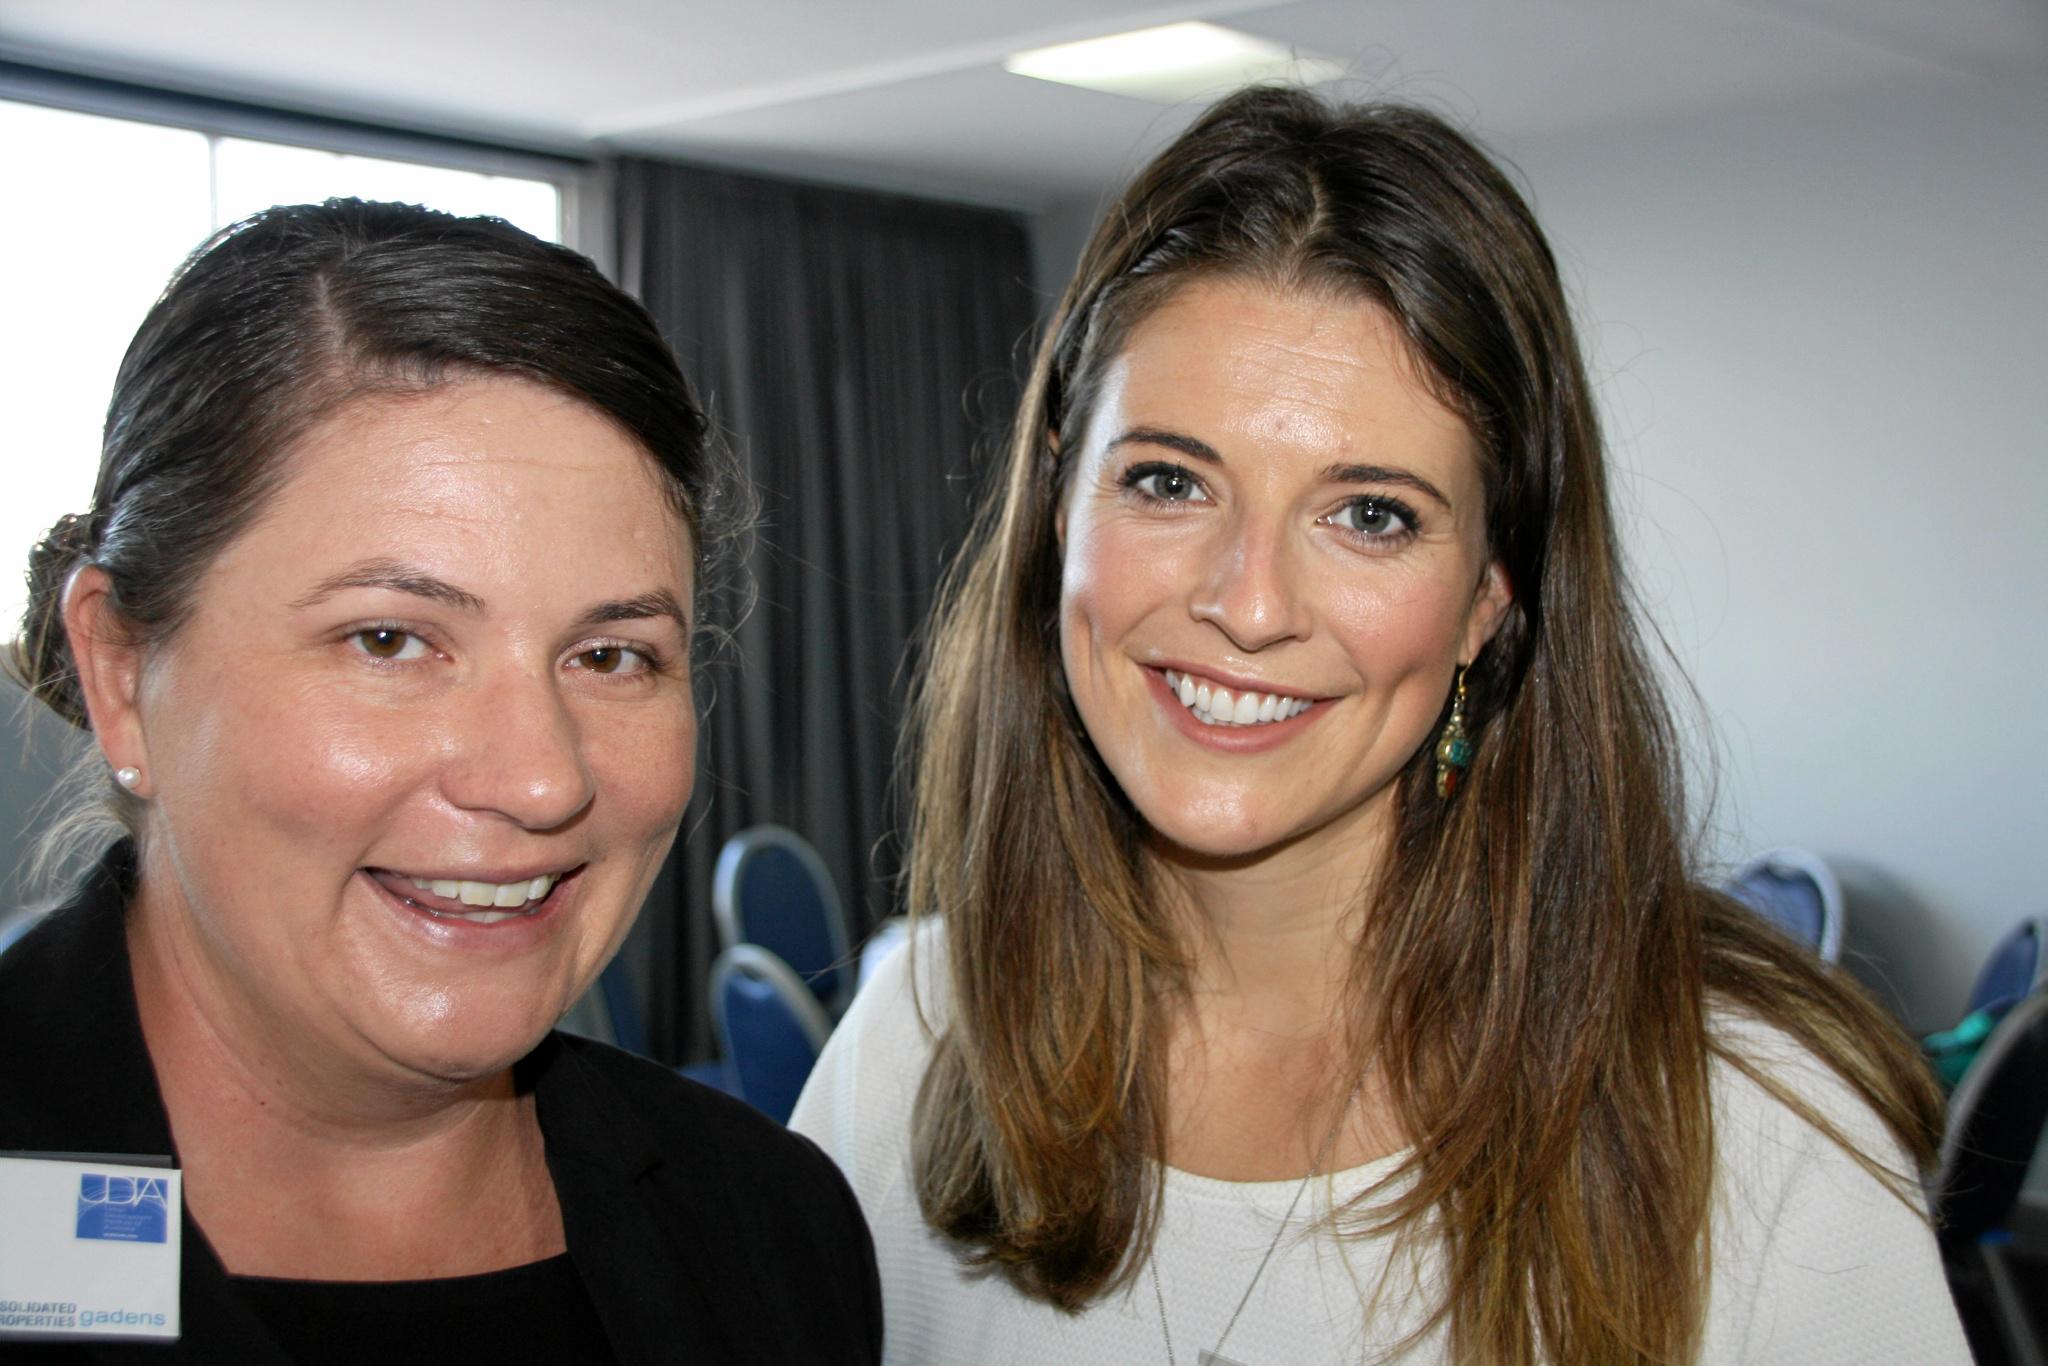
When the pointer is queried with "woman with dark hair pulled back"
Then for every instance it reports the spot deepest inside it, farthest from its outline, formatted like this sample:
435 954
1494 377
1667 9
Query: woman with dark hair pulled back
1312 969
382 623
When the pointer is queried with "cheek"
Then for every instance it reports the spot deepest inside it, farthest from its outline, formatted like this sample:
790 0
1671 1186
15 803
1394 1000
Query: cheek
645 765
299 758
1114 578
1393 629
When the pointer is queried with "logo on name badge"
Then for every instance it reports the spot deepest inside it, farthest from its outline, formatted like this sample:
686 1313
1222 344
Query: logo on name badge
123 1209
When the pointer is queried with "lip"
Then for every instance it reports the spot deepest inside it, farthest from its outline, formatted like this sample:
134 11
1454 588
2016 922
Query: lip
1237 683
508 873
509 937
1230 739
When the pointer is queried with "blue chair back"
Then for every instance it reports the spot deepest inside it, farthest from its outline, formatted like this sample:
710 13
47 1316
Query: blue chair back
771 888
2015 968
1796 891
769 1025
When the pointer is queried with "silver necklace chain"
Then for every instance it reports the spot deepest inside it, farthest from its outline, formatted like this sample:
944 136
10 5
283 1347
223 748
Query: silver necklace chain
1215 1353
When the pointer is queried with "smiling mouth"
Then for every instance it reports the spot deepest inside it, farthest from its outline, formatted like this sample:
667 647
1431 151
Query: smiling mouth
1216 705
479 903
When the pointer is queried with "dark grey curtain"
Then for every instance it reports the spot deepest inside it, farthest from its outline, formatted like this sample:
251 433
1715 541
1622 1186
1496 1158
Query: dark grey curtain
861 352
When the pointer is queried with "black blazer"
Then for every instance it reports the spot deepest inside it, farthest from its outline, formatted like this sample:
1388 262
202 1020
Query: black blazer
703 1231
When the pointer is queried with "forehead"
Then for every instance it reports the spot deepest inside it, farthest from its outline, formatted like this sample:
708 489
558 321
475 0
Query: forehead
1279 370
465 437
484 475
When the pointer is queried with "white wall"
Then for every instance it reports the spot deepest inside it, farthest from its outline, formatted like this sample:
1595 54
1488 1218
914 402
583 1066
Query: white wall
1820 334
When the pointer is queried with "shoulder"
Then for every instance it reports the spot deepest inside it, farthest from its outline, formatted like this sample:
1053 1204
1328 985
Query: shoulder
73 1066
763 1220
1820 1244
1759 1066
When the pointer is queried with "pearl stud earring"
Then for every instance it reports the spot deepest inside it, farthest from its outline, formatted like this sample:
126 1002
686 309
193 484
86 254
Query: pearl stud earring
128 777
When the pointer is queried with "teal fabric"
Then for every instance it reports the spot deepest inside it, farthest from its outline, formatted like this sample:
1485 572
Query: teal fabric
1953 1050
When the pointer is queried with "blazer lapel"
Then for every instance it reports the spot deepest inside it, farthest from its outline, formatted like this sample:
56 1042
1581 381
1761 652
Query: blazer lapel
648 1258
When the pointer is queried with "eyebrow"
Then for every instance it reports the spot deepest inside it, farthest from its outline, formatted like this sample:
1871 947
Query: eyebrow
642 607
397 577
1331 474
1176 441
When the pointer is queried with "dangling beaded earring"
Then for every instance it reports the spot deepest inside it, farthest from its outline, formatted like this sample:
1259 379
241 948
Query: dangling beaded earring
1454 750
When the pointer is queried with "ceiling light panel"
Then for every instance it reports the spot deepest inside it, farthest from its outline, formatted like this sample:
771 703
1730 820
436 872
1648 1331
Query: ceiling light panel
1172 63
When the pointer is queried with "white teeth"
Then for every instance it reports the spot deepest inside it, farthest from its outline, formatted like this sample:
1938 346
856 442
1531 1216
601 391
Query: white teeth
499 900
1215 706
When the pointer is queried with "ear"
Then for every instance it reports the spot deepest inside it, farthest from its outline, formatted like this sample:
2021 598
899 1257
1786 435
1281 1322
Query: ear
109 672
1489 609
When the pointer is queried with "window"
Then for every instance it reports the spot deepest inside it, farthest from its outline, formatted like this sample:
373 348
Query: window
100 212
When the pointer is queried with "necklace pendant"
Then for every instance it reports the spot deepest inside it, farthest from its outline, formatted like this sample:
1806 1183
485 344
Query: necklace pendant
1209 1358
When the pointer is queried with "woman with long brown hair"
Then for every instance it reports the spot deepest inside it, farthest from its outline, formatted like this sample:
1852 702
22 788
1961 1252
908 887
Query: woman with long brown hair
1316 973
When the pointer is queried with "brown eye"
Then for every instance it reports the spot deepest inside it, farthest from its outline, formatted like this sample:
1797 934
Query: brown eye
389 642
613 659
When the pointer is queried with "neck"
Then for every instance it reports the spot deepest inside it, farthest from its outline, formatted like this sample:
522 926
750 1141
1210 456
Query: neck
1276 931
382 1163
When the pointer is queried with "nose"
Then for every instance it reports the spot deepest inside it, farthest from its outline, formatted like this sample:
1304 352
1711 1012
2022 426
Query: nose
520 755
1251 587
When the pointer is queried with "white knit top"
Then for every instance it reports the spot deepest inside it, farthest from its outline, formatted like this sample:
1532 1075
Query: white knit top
1813 1260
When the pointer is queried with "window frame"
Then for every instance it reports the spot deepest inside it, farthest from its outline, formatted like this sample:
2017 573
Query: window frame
581 221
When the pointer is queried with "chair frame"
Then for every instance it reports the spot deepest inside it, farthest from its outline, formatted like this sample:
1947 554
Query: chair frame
1986 1288
764 965
1969 1094
725 881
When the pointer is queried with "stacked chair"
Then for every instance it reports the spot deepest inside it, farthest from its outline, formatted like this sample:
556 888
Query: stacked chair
785 973
770 1027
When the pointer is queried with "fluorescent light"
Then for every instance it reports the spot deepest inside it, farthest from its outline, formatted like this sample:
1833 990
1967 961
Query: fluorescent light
1172 63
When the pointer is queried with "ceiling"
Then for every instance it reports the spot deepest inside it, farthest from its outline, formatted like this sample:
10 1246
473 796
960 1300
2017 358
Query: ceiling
911 94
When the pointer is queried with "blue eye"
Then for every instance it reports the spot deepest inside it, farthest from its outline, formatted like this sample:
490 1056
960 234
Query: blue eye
1166 483
1376 519
389 643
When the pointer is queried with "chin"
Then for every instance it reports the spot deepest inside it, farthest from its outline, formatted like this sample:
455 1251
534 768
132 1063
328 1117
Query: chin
1212 832
458 1038
1233 828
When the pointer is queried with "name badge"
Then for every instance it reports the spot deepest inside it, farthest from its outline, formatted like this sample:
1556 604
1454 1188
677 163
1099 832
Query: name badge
90 1248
